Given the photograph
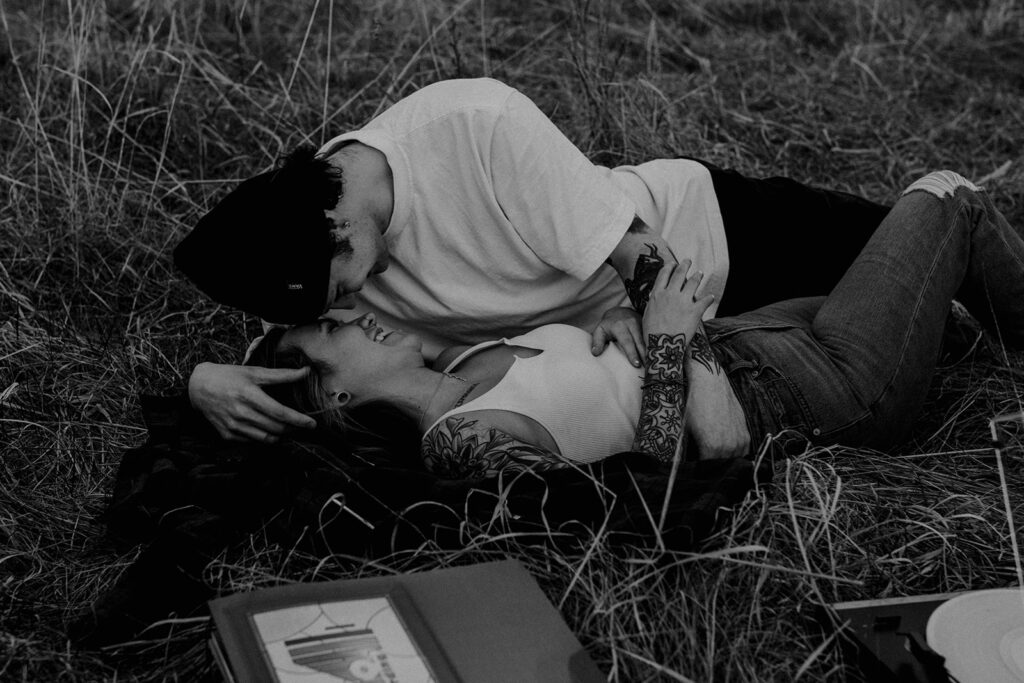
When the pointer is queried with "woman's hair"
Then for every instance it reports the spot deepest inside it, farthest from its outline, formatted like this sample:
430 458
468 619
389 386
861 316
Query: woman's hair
376 430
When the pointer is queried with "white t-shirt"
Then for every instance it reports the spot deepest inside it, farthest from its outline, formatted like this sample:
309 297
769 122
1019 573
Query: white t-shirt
500 224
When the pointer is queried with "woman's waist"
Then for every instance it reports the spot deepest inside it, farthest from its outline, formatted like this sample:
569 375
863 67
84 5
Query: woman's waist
758 370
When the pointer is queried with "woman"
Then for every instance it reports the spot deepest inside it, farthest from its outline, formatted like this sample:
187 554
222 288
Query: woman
850 368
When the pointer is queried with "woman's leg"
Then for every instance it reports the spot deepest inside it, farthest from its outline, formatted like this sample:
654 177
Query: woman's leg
786 239
881 326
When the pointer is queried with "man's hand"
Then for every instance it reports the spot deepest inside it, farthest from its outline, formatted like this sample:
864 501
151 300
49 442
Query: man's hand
230 398
714 417
621 325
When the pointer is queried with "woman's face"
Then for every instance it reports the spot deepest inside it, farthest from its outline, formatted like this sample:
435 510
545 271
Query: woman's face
357 354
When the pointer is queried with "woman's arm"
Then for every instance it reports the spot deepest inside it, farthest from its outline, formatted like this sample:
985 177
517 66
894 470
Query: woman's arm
671 321
460 447
715 419
663 402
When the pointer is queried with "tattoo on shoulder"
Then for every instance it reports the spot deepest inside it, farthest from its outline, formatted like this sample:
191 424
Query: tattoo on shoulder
701 352
461 448
645 270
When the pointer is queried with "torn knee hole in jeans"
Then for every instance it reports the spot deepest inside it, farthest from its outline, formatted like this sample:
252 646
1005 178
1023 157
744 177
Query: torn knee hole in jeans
942 184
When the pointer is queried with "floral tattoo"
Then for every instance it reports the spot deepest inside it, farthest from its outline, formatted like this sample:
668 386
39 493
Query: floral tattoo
645 270
663 399
666 356
461 448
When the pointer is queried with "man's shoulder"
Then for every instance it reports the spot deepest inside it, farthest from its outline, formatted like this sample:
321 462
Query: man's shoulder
460 92
446 101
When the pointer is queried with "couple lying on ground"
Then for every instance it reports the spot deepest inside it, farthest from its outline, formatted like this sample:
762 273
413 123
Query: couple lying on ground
461 215
851 368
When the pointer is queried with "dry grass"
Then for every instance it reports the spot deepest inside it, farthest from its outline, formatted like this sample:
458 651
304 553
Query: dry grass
122 121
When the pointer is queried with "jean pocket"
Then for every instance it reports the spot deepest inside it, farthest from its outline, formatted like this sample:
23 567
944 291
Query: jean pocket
793 410
719 329
781 409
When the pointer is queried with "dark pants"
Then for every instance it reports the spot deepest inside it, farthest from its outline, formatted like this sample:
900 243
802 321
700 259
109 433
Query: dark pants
854 367
786 239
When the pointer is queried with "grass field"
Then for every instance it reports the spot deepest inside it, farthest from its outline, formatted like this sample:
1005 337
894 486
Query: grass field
124 120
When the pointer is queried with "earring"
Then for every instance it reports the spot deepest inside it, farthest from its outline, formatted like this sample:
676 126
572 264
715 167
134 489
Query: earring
342 397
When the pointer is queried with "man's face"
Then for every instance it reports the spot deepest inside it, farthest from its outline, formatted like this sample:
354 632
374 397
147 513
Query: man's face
360 253
360 219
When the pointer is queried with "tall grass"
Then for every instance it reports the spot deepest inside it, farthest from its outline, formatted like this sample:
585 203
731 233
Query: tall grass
123 121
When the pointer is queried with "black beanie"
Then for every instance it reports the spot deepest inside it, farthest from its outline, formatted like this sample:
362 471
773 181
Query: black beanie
266 247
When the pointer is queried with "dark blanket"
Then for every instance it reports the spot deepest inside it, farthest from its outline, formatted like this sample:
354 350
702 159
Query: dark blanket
187 496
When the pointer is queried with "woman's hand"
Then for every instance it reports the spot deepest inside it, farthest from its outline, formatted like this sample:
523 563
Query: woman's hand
230 398
673 307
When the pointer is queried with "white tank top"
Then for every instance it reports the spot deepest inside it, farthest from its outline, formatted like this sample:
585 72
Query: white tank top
589 405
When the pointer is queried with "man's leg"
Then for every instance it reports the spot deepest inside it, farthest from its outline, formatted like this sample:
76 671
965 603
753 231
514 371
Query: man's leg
786 239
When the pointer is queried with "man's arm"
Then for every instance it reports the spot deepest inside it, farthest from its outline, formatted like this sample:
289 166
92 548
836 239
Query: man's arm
230 397
637 258
714 417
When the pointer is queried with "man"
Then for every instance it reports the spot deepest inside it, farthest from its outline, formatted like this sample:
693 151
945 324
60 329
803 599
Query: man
462 213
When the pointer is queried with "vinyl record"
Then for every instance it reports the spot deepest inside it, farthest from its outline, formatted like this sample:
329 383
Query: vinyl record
981 635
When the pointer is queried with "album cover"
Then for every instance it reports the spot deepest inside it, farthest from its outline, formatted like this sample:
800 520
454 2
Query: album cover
484 622
887 639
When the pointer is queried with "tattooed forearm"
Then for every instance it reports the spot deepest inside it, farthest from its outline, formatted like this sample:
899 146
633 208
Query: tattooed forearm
644 272
661 418
702 353
660 426
666 357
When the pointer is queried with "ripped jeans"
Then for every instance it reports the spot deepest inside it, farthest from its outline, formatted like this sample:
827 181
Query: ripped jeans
854 367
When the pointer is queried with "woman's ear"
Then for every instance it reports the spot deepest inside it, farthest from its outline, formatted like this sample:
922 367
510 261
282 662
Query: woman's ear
342 398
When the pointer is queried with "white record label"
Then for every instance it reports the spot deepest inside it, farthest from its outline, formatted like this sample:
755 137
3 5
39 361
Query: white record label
981 635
